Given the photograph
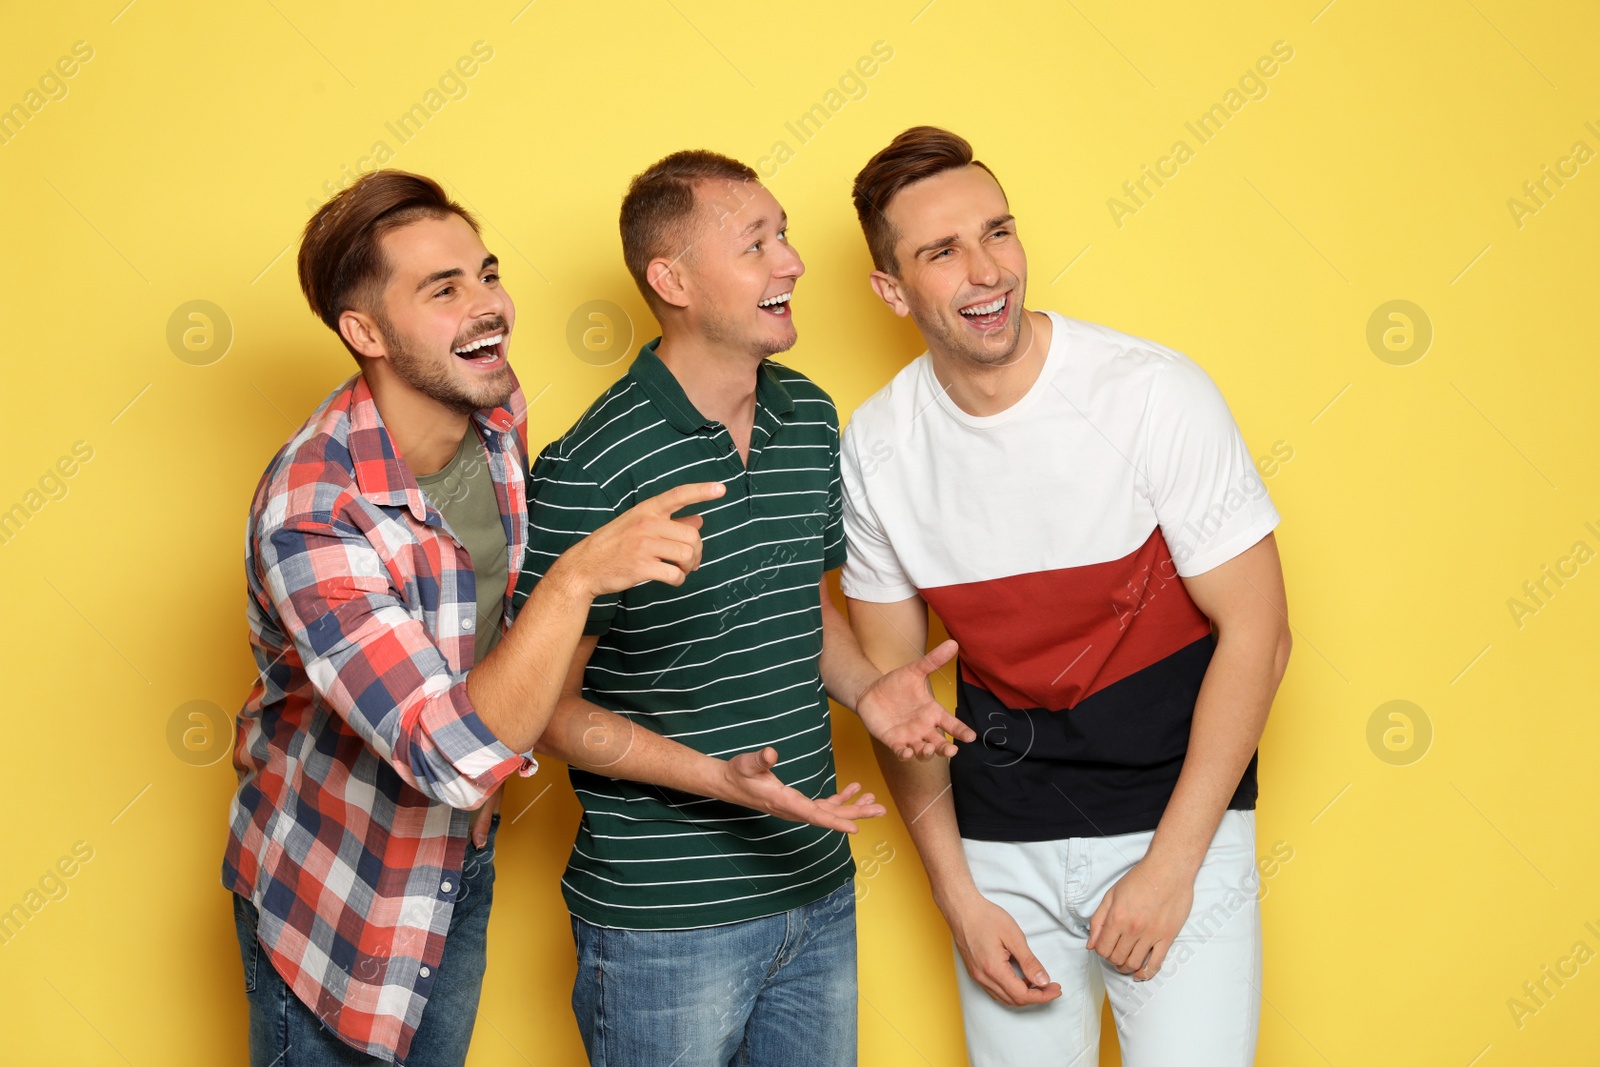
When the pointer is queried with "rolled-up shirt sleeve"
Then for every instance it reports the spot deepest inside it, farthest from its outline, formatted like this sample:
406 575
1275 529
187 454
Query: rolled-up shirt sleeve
378 667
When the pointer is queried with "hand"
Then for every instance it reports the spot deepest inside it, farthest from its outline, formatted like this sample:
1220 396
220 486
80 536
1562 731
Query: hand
900 712
747 779
644 543
1139 917
486 814
993 948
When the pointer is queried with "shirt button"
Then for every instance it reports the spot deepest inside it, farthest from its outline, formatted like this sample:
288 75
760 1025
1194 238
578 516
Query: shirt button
466 624
425 972
444 887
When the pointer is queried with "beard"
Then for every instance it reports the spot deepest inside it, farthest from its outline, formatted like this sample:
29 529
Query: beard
994 351
435 380
720 329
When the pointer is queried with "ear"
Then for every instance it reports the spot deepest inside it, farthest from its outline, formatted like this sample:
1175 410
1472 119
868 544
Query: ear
887 286
667 278
360 332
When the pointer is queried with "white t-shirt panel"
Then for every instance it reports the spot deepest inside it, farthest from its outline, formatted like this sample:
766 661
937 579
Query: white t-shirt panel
1116 437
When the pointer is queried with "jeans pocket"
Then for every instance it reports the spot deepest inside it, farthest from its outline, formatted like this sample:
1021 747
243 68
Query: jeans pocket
244 923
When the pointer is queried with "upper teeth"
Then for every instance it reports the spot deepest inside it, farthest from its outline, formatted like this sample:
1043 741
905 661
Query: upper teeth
479 343
985 309
781 298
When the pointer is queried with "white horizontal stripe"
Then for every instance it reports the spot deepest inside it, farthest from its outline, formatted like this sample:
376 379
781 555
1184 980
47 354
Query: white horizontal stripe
706 459
815 683
703 881
718 611
641 458
656 649
823 725
647 800
701 903
625 438
704 834
703 663
629 818
809 707
685 859
719 681
805 755
603 402
578 445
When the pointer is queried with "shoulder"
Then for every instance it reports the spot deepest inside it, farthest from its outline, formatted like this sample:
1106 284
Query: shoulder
1137 365
312 476
896 404
810 399
620 412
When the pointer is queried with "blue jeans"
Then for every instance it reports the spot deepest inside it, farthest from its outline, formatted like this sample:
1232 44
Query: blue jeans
780 990
280 1024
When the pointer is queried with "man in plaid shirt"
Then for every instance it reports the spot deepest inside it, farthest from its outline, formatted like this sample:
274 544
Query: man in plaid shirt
394 695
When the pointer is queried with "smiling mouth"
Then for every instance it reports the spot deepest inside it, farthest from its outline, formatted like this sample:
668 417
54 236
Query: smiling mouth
990 314
776 305
485 351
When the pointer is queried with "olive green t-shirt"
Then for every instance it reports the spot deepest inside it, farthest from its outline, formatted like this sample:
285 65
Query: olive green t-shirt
463 492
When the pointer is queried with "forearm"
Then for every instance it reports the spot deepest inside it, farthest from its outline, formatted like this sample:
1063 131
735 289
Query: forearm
516 687
922 795
846 671
1229 717
584 735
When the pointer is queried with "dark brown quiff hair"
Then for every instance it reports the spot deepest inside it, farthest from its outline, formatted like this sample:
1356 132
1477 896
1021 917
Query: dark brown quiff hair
917 153
342 265
660 204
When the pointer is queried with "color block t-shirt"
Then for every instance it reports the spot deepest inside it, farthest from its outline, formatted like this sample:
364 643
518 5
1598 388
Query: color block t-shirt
1051 538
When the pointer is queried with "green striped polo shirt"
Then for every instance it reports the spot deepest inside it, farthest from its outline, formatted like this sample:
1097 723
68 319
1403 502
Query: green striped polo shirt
725 663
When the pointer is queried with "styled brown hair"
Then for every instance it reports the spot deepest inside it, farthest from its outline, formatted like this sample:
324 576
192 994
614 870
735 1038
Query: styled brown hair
917 153
659 204
342 265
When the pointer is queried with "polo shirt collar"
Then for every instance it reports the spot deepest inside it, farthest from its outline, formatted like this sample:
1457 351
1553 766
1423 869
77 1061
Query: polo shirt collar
664 391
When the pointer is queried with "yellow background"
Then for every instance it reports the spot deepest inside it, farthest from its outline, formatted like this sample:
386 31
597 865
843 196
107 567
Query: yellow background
180 164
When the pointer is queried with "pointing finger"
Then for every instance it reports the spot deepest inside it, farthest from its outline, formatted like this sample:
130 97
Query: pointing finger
684 495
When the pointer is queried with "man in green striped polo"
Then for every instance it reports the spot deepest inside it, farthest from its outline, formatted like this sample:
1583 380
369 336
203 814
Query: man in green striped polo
713 911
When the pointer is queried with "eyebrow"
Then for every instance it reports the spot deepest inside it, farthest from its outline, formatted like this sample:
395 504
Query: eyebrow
946 242
490 260
783 224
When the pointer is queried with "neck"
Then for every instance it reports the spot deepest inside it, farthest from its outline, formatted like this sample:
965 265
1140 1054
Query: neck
719 382
988 389
425 432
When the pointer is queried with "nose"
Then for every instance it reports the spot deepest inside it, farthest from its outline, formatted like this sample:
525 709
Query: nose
489 301
791 266
983 272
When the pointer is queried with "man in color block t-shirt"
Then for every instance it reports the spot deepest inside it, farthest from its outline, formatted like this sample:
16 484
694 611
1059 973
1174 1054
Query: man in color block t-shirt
1079 508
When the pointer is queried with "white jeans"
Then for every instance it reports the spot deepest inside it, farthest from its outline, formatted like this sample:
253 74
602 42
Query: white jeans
1202 1009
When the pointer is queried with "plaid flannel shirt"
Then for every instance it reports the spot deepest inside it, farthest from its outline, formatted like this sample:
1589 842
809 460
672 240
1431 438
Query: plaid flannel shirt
359 752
